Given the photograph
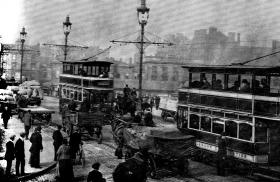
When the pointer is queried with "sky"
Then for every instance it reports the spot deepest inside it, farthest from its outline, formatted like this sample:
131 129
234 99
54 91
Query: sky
96 22
10 20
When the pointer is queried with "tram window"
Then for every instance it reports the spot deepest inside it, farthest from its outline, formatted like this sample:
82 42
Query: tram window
205 123
79 96
206 81
71 95
195 81
245 118
218 82
194 121
218 126
275 85
230 115
231 129
205 111
76 70
90 70
194 109
265 108
245 131
245 85
261 130
233 83
67 93
261 85
217 113
75 95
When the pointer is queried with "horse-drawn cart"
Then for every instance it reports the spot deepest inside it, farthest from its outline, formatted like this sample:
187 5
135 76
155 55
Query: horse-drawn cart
86 122
39 114
168 149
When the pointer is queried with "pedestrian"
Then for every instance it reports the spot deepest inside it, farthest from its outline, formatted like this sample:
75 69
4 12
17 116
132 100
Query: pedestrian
74 143
126 91
152 101
95 175
157 101
221 154
6 115
36 148
57 140
27 120
20 154
64 162
10 154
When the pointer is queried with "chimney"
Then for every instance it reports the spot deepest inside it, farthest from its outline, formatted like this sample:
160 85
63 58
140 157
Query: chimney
238 37
274 44
231 36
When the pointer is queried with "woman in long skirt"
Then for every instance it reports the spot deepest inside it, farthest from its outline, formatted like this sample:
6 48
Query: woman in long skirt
65 162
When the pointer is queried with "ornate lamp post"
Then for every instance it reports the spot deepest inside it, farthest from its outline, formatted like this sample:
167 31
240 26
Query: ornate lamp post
23 34
66 28
143 15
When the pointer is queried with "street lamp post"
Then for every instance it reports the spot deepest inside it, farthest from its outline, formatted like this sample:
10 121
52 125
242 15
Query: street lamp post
143 15
23 34
67 28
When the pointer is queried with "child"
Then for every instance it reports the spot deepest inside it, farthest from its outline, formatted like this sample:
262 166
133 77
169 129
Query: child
82 158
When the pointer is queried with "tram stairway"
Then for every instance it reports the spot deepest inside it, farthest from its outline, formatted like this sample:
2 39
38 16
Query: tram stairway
264 173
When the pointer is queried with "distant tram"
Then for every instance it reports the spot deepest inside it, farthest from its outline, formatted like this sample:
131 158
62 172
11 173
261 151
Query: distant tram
88 81
243 102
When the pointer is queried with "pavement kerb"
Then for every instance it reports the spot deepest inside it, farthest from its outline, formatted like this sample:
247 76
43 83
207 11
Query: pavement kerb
35 174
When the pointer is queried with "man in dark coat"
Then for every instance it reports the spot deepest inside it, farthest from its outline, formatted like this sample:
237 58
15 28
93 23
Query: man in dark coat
95 175
36 147
19 153
157 101
10 154
221 154
6 115
74 143
57 140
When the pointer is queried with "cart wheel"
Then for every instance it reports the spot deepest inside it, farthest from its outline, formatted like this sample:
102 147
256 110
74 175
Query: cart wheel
152 169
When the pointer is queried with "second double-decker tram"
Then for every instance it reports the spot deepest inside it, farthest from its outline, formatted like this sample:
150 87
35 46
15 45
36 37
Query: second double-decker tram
242 102
87 81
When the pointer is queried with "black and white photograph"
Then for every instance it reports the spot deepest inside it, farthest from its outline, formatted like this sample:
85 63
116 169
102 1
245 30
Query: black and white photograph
139 90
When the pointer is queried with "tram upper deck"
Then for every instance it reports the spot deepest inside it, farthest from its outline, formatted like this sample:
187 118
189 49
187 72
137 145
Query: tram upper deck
246 89
88 74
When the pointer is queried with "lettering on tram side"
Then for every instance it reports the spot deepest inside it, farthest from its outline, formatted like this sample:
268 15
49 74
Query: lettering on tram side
243 156
206 146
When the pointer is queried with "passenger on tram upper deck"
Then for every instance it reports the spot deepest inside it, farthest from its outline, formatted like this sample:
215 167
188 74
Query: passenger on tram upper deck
205 84
218 85
256 87
264 86
245 86
235 87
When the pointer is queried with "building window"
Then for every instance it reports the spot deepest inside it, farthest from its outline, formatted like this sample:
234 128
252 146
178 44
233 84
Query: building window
164 75
154 73
175 74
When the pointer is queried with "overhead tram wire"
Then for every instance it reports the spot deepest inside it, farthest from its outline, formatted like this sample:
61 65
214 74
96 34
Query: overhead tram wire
257 58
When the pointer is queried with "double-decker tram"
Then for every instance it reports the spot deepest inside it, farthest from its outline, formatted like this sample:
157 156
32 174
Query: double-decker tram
86 82
242 102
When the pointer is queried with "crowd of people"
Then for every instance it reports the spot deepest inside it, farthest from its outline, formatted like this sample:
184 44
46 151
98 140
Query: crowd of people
257 87
16 151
